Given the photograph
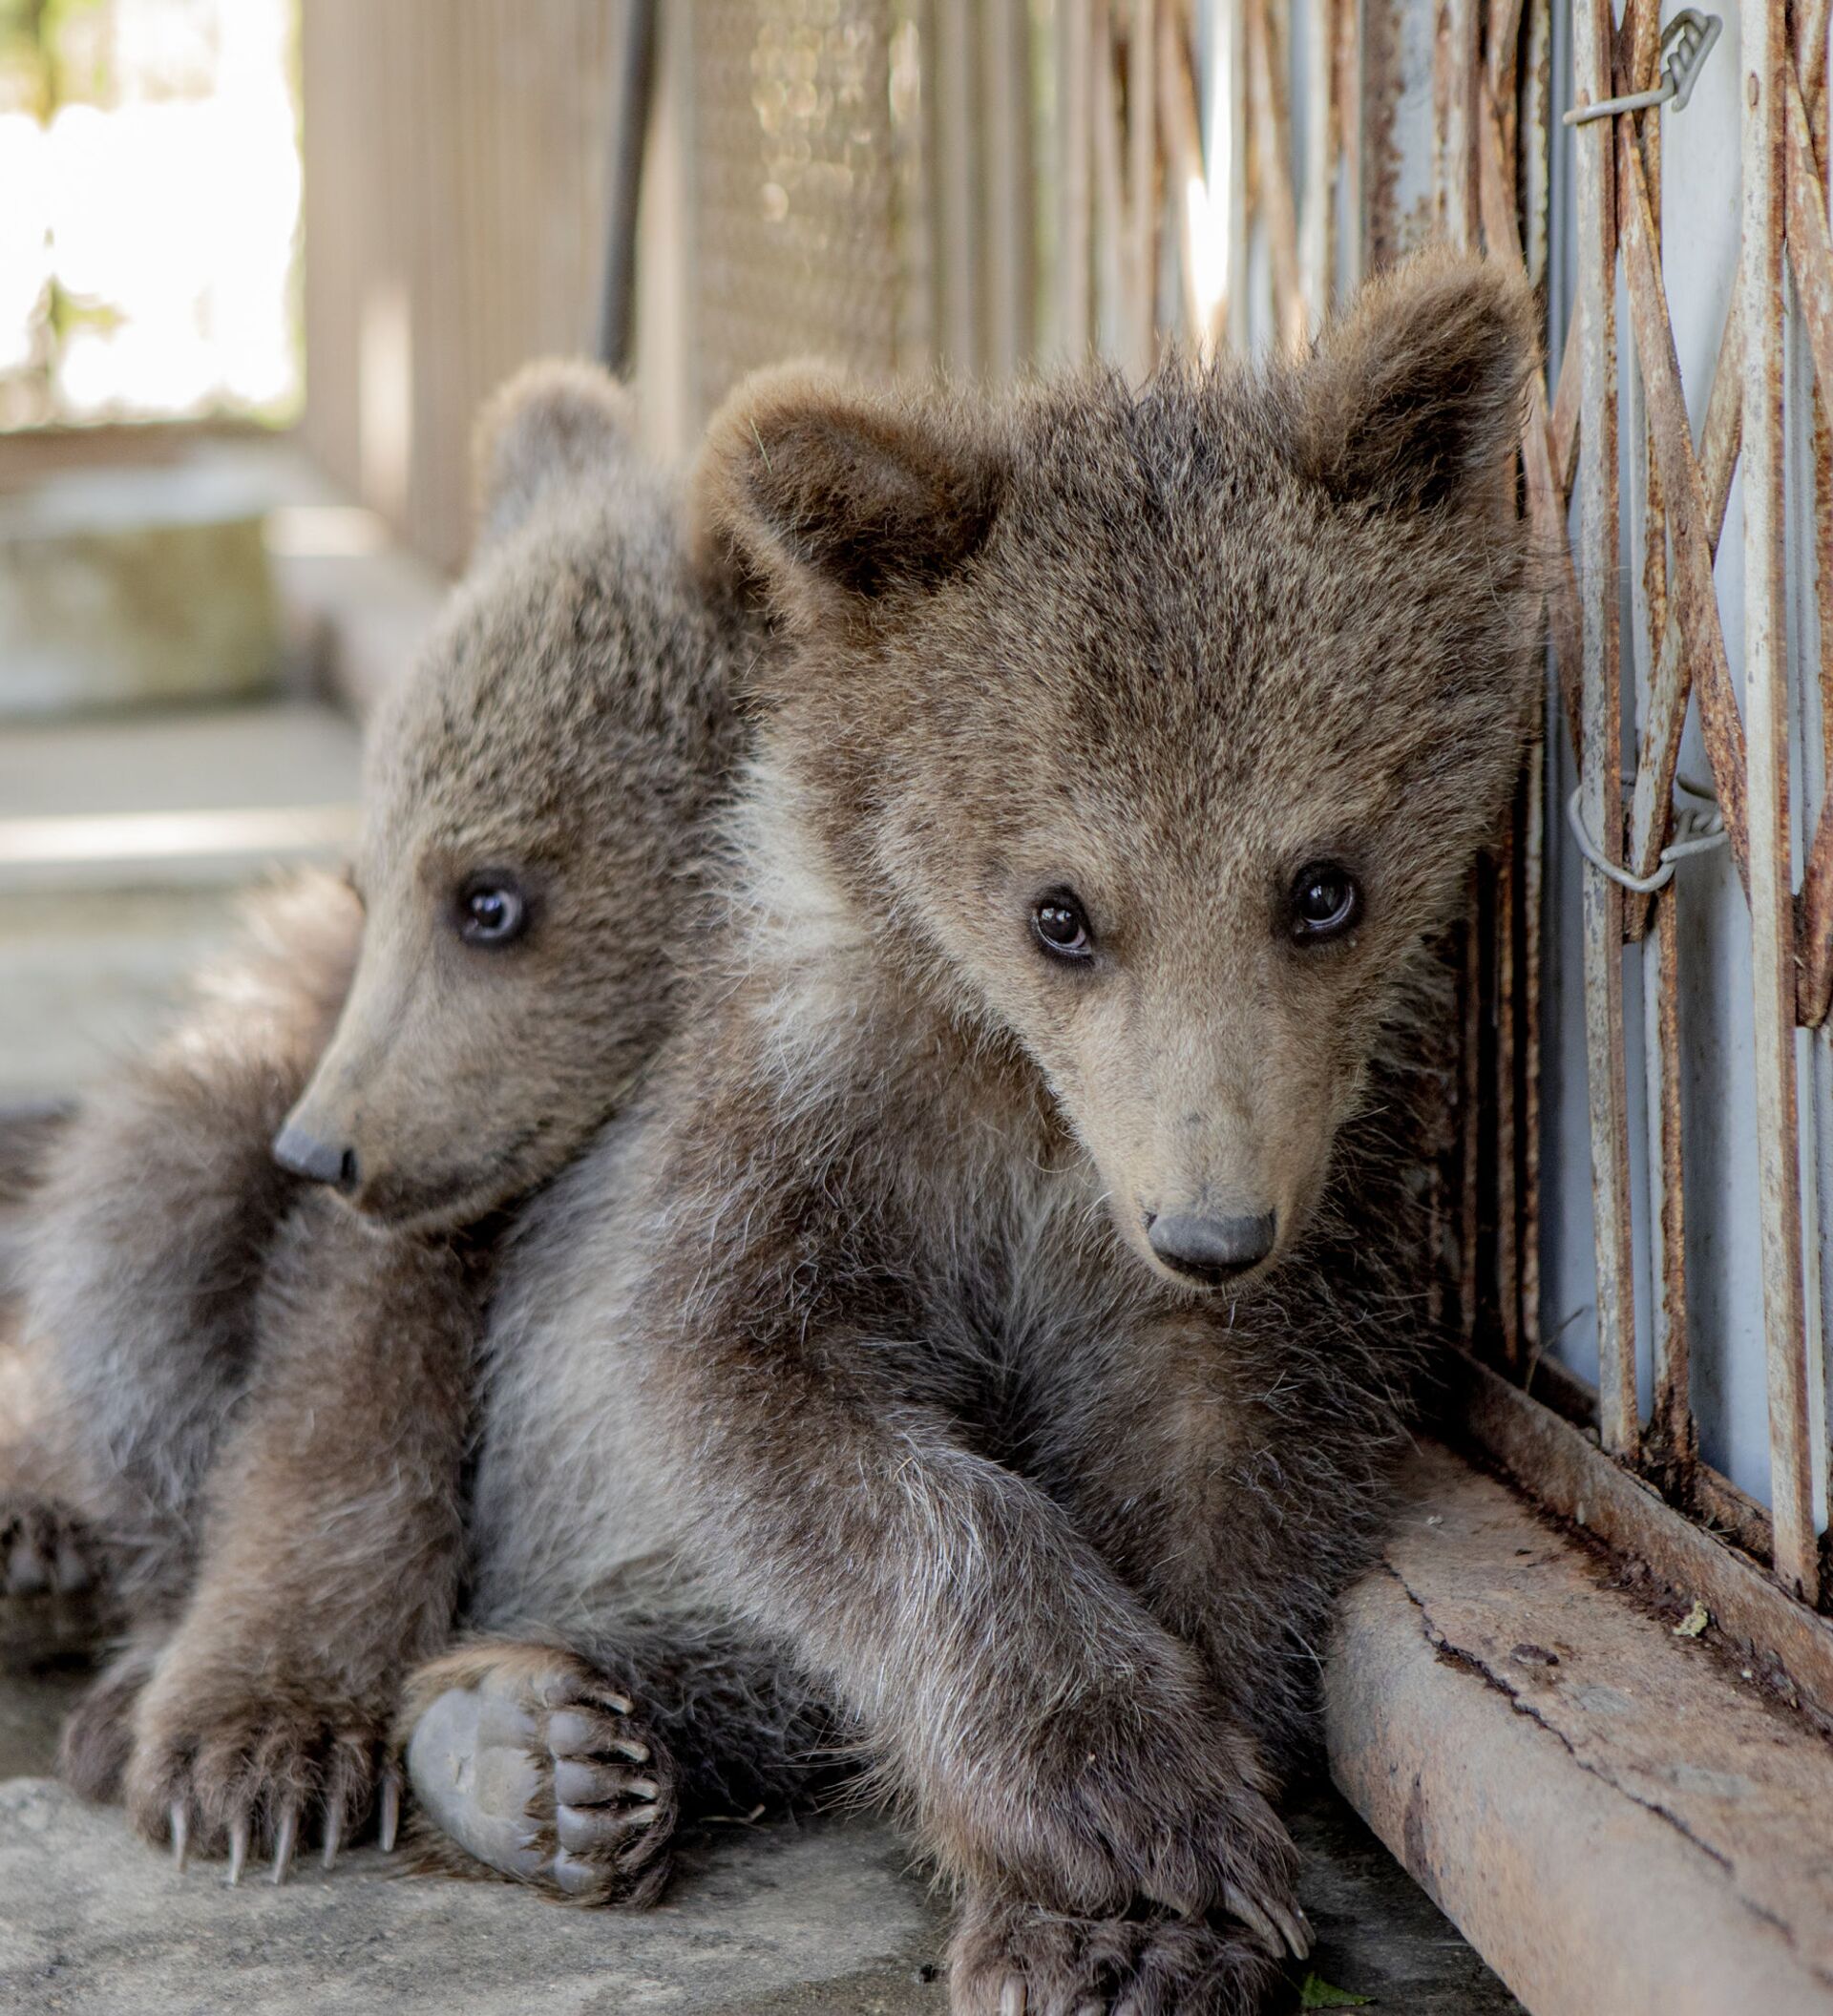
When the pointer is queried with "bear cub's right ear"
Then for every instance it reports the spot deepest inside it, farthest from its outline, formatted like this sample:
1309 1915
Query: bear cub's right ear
554 421
835 498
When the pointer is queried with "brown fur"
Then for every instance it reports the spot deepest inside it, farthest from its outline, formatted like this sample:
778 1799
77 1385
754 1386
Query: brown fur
857 1321
267 1388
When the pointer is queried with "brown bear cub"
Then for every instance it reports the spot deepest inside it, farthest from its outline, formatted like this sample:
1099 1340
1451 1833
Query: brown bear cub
993 1318
264 1386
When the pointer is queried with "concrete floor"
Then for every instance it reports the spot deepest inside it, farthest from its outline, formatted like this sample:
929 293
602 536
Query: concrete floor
823 1918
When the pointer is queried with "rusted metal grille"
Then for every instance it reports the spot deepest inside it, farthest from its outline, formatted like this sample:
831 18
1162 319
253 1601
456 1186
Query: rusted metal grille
1613 448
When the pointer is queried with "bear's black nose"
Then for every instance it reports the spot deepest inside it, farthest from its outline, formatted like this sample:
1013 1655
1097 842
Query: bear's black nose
317 1161
1211 1250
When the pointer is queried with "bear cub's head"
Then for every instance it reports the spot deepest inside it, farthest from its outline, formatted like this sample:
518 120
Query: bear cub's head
534 804
1154 733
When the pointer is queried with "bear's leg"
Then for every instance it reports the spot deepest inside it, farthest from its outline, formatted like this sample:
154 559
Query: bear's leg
145 1238
570 1774
331 1553
46 1549
1177 1440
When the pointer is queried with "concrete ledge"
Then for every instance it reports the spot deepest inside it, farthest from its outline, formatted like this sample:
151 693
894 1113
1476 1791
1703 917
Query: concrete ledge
1615 1815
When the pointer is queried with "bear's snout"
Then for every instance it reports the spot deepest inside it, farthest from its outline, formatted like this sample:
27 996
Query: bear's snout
1212 1250
317 1161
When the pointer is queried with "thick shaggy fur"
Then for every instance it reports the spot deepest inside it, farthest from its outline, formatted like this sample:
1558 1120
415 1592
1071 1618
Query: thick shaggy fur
853 1327
265 1391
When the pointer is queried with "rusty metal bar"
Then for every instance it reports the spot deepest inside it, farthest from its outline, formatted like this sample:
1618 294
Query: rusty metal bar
1772 907
1545 500
1272 135
1506 982
1317 212
1673 1440
1601 753
1695 600
1566 400
1719 719
1458 152
1533 899
1810 253
1348 89
1503 51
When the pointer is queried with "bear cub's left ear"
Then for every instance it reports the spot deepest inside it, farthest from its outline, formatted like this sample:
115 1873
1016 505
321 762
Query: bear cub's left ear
558 421
1414 400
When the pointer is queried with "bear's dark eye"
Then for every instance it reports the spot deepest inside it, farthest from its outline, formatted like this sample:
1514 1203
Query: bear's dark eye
1061 926
492 909
1325 901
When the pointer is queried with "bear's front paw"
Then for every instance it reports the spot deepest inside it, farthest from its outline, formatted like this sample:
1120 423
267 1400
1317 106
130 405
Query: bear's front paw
1120 1811
532 1763
1014 1958
243 1764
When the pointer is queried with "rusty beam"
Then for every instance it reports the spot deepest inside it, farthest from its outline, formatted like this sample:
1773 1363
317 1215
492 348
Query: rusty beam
1766 705
1810 254
1601 752
1546 496
1695 598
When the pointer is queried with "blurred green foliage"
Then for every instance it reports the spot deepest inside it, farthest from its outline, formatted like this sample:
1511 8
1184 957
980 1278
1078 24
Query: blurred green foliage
42 65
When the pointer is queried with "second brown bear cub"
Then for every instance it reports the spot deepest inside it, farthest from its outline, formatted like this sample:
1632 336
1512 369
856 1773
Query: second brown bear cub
263 1391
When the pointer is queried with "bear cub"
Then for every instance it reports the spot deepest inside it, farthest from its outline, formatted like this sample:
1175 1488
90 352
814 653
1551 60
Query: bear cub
261 1366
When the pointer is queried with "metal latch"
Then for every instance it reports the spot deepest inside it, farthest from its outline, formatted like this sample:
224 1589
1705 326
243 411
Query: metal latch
1686 42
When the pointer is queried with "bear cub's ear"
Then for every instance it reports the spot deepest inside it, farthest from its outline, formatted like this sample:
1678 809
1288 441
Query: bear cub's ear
1413 399
826 494
554 421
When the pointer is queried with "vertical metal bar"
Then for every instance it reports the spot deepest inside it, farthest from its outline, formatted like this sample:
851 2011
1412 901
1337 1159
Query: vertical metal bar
1143 192
1347 73
1506 981
1671 1434
1229 135
1184 169
632 93
1008 265
1112 248
1534 108
1318 216
1463 64
1533 903
1771 906
952 72
1473 1001
1593 148
1074 119
1272 133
